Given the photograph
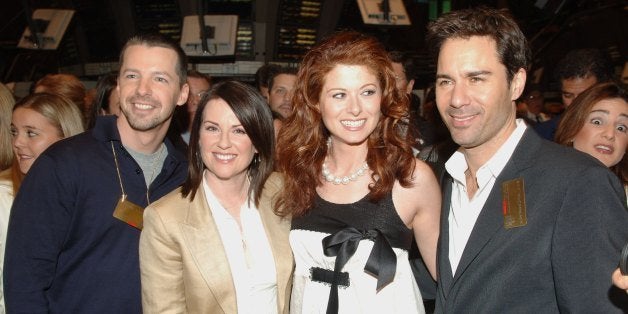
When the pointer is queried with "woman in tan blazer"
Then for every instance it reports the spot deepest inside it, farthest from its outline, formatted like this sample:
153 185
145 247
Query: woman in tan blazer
214 245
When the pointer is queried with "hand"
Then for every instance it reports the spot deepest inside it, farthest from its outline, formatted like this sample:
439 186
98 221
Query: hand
619 280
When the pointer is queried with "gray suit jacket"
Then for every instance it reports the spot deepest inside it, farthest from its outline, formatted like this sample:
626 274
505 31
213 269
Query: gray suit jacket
183 263
561 261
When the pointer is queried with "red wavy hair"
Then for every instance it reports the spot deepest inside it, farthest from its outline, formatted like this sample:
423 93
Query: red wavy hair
302 148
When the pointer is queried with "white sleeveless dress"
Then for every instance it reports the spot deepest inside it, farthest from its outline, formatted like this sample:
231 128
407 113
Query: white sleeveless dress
381 242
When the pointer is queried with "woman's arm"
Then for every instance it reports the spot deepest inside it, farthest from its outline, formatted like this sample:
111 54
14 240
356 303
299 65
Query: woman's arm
422 202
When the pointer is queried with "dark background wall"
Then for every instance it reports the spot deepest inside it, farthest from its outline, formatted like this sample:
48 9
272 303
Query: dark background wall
282 30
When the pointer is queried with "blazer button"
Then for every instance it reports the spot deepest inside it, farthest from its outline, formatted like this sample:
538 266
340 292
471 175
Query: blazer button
138 171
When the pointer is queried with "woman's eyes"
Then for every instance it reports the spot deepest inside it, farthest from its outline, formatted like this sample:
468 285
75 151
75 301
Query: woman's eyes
29 133
598 122
369 92
338 95
213 129
342 95
595 121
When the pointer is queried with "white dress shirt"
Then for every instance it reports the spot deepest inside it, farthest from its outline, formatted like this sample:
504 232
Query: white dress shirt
249 254
463 212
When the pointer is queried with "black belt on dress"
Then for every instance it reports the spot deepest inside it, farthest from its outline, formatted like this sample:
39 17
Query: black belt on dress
382 262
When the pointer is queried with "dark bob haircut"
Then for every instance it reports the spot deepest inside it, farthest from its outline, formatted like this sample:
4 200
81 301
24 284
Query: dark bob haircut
255 116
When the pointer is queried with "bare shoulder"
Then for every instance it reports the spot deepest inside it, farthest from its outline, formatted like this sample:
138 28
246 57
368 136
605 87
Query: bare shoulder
423 174
422 194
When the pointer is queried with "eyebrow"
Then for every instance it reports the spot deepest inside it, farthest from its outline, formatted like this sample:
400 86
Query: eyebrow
216 123
162 73
152 73
374 84
477 73
27 127
607 112
466 74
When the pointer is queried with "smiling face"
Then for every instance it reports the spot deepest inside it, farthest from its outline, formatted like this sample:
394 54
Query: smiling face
350 103
149 87
32 133
604 133
473 95
226 149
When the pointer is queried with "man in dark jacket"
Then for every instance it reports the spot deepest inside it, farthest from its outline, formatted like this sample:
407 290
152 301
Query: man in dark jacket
527 225
72 244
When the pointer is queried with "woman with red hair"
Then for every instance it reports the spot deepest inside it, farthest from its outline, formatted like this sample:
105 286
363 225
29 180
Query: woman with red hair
354 191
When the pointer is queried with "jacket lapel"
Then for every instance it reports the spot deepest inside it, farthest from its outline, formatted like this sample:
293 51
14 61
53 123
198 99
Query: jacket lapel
277 231
202 237
491 219
445 277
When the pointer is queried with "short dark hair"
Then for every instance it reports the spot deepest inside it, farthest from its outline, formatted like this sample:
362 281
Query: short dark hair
280 70
512 45
255 116
406 62
581 63
158 40
105 85
263 73
200 75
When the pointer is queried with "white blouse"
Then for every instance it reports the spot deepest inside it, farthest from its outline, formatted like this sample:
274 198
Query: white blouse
249 254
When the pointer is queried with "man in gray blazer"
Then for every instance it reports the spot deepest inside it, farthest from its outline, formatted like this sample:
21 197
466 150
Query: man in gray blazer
527 226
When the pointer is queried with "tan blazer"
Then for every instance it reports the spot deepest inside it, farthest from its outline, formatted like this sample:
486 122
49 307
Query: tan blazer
183 263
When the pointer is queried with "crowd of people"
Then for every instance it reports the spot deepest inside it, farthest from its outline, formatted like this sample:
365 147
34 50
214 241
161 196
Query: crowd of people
164 191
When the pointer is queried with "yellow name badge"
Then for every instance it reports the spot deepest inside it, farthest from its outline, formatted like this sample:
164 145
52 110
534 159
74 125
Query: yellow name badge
514 204
129 212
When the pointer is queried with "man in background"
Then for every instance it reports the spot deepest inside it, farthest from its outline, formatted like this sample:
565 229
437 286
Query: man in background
199 84
576 72
280 90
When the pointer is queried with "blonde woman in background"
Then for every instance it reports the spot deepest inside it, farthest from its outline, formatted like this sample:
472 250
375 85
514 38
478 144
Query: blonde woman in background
37 121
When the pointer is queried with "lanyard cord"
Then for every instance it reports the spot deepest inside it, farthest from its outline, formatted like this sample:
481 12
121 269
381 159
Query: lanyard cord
115 159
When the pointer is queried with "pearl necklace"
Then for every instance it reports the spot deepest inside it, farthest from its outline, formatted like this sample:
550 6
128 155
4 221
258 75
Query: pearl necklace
329 177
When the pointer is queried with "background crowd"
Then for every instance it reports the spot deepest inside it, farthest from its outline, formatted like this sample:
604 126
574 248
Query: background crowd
331 187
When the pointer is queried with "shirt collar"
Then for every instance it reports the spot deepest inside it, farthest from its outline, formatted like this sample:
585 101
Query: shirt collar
106 130
457 164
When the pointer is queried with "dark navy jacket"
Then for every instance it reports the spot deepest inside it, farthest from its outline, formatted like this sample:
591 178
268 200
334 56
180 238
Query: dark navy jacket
547 129
65 251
